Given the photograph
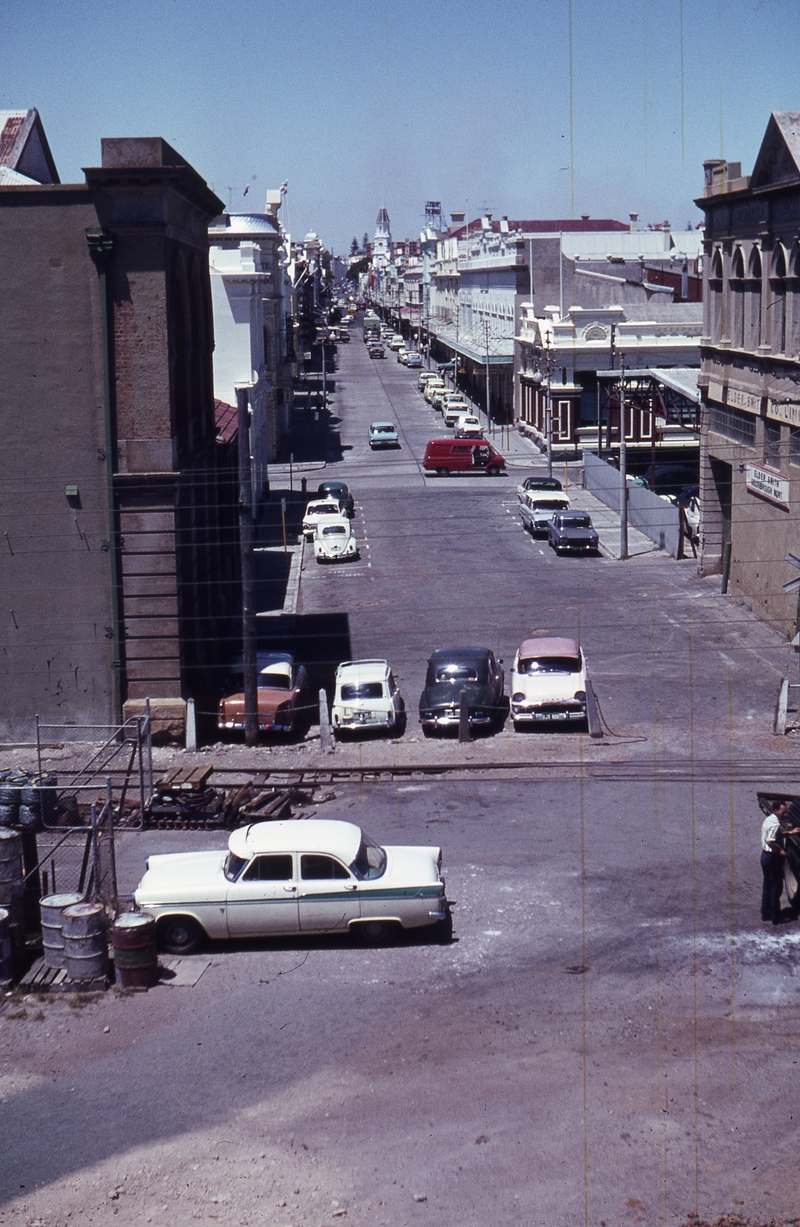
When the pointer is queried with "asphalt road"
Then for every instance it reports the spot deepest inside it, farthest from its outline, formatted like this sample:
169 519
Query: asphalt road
612 1036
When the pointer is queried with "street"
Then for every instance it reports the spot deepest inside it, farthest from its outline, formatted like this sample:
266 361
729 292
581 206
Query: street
611 1037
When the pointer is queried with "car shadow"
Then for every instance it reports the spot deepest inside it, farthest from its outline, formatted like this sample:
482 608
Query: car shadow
428 935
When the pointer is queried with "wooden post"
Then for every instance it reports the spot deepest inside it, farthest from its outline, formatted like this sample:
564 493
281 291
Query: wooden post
248 576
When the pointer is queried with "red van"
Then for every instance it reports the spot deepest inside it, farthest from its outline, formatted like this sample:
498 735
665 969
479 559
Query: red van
451 455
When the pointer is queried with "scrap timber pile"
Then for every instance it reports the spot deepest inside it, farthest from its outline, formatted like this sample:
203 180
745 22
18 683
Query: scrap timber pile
183 799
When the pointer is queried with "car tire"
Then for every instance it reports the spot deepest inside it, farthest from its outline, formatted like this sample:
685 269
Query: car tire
426 732
791 880
492 471
441 472
373 932
443 930
179 935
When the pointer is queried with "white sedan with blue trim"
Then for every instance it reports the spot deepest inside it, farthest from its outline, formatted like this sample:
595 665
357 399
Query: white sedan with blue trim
279 878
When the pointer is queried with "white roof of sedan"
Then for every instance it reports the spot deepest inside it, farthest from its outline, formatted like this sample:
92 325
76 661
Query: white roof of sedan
361 671
340 839
543 646
322 506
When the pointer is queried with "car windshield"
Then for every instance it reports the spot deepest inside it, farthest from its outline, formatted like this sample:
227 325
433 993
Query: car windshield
550 664
370 860
324 509
457 673
367 690
547 504
382 427
233 866
268 680
543 483
334 530
575 521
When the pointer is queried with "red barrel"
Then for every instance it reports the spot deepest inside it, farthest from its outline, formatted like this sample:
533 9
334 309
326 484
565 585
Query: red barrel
135 951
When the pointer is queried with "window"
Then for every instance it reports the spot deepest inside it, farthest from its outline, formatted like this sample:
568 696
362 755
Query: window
794 446
549 664
733 424
269 869
321 868
366 690
772 444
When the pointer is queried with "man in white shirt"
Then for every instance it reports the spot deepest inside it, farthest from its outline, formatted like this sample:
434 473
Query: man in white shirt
772 857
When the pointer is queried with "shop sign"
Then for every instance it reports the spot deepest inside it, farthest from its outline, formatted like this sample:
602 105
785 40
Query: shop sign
784 413
732 396
767 484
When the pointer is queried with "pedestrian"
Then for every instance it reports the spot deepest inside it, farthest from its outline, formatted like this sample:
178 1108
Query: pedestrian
772 857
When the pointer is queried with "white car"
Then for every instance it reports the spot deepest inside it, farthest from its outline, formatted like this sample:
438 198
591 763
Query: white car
539 506
454 407
383 434
468 426
295 876
425 377
433 385
402 354
366 696
397 341
540 483
414 360
334 540
319 509
548 682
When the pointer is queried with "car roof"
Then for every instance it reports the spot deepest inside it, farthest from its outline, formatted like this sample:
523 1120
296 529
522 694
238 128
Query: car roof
458 654
543 646
381 425
340 839
332 485
544 483
362 671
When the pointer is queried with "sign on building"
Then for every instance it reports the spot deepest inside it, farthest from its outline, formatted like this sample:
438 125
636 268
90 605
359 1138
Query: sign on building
767 484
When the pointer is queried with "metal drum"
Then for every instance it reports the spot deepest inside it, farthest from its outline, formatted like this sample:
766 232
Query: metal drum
135 952
11 880
83 926
6 949
52 922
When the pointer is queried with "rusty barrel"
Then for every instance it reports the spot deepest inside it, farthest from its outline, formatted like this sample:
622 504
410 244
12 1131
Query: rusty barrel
6 948
52 924
85 943
135 951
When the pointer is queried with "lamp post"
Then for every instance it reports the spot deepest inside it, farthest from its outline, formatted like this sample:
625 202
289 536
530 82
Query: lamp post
623 468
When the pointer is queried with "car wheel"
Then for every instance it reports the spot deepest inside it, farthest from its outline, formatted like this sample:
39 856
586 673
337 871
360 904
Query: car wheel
373 932
441 472
426 732
791 880
180 935
443 930
492 471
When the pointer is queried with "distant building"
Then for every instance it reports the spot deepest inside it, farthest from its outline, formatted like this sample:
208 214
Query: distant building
382 242
750 373
118 560
250 304
25 155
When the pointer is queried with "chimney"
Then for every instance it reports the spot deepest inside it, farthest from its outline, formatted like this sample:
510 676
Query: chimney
584 217
488 214
457 218
273 202
634 221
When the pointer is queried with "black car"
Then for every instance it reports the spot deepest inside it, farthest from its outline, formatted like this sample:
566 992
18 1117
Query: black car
572 532
339 491
451 670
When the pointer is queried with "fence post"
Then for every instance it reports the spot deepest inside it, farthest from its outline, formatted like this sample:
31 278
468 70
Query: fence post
325 740
149 734
94 877
191 727
463 719
112 852
781 709
139 722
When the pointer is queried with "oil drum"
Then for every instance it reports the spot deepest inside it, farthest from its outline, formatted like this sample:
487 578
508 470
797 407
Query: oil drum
85 942
52 921
135 951
6 949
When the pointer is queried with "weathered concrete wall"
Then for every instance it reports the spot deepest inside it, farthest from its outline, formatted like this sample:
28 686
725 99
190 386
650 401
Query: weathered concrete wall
653 516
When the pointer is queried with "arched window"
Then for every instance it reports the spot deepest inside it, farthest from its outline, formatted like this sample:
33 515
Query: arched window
753 300
777 303
717 319
737 299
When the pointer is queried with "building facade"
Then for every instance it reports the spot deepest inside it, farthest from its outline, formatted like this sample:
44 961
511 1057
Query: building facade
115 568
249 299
750 373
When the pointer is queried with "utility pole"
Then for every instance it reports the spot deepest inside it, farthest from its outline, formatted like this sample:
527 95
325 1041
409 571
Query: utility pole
488 382
623 467
548 421
248 571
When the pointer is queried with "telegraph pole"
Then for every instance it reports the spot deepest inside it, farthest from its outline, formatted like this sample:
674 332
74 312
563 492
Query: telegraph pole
248 571
623 467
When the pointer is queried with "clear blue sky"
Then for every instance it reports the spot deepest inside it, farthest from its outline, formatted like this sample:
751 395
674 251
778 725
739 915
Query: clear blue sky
359 104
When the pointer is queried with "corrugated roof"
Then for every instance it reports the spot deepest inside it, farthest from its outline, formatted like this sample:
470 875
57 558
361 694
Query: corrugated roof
231 225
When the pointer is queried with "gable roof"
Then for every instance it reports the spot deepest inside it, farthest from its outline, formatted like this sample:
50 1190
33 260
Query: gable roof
227 422
778 160
24 148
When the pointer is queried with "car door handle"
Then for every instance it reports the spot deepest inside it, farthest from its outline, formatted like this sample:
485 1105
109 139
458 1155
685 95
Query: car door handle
290 888
351 886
